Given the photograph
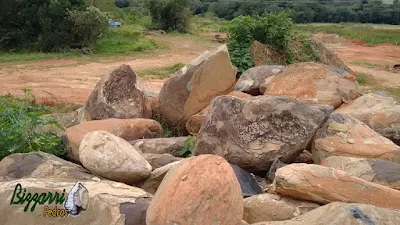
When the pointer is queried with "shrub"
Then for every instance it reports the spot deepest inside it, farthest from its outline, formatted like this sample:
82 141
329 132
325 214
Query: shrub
21 122
36 25
171 15
274 30
87 25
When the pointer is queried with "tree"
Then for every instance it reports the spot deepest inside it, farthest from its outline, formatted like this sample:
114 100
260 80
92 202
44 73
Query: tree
36 24
170 14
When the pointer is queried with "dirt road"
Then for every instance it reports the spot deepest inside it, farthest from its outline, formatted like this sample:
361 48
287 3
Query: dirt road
72 80
377 61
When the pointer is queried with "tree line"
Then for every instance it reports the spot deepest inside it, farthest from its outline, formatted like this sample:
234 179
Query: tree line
306 11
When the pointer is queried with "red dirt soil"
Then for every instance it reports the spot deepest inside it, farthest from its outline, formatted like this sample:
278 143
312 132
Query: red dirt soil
72 80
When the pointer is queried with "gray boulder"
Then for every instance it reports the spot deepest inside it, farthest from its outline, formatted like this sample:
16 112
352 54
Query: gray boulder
252 133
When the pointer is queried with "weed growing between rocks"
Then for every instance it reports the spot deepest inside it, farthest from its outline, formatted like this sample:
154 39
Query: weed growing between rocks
190 142
22 124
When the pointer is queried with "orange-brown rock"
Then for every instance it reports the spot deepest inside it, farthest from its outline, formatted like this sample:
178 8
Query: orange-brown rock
324 185
128 129
312 82
216 76
197 191
272 207
373 170
118 95
340 213
194 123
194 86
343 135
379 111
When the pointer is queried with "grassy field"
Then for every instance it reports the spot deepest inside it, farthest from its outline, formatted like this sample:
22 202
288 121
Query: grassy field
161 72
125 40
372 34
207 23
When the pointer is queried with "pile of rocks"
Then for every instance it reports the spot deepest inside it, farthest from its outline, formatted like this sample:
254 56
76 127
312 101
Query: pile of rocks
290 144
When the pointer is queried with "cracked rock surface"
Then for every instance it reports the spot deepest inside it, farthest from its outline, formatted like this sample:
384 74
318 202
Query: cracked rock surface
252 133
343 135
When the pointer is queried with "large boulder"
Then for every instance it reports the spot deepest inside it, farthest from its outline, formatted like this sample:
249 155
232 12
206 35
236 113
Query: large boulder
252 133
373 170
118 95
175 92
112 157
40 165
199 190
106 203
152 183
272 207
313 82
343 135
128 129
193 124
324 185
251 80
159 160
216 76
378 111
171 145
340 213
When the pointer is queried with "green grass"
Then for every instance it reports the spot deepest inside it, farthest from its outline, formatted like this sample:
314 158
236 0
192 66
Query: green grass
367 33
363 63
371 83
6 57
125 40
161 72
207 23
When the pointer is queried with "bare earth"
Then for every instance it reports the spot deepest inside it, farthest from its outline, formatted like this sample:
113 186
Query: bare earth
377 61
72 80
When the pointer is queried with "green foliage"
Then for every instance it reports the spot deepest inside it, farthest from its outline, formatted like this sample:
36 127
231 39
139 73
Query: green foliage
361 79
161 72
170 15
88 25
208 22
126 39
36 25
122 3
188 149
309 11
21 123
274 30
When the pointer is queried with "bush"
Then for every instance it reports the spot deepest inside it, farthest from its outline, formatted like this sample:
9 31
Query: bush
274 30
36 25
88 25
171 15
21 122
